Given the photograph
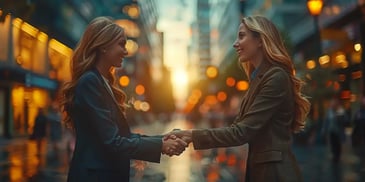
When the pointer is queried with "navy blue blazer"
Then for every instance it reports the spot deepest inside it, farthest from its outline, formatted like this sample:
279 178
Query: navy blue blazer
104 142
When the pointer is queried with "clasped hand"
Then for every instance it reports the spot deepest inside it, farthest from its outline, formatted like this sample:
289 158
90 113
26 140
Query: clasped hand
175 142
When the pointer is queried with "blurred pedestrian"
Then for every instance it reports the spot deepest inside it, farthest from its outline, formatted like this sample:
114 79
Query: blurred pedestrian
358 132
39 130
95 107
334 127
55 128
272 109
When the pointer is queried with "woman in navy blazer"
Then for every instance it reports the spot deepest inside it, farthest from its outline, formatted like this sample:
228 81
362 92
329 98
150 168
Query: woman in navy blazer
95 108
271 110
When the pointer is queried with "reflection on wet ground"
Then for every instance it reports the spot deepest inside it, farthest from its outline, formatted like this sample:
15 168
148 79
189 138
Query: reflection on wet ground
21 161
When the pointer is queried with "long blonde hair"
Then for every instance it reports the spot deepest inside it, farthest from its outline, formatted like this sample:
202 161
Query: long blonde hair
99 34
276 53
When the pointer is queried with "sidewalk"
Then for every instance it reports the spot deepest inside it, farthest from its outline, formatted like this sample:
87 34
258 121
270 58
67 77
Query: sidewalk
19 162
316 164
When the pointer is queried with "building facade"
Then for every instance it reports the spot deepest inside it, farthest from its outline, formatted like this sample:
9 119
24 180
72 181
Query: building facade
32 67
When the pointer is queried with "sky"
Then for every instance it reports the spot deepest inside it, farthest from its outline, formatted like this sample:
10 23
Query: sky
175 17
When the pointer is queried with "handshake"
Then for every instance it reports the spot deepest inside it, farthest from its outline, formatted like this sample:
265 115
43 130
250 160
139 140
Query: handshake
175 142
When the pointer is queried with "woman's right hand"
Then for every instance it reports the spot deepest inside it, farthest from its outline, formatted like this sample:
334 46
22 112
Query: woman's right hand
173 146
185 135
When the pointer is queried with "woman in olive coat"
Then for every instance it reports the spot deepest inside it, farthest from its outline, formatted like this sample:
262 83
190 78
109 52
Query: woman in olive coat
271 110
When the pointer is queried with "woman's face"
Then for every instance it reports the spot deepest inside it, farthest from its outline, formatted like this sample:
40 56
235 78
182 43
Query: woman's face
114 54
247 45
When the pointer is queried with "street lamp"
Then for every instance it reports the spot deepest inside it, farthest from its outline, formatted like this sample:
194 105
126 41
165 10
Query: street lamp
315 8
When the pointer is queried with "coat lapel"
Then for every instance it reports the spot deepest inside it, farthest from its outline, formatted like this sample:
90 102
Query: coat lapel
264 67
107 89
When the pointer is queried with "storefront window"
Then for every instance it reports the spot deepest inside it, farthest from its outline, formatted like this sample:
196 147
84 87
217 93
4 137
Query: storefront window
17 101
30 46
26 102
59 56
4 38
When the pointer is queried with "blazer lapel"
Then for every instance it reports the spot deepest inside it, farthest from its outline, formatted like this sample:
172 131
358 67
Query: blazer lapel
107 89
265 65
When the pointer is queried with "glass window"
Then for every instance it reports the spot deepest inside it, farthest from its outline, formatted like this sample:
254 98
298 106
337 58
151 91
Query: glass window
60 57
4 38
30 47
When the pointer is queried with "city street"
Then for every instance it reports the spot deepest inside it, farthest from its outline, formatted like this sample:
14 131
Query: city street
152 66
20 161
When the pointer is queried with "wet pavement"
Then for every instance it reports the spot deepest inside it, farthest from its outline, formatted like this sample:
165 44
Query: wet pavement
317 165
21 161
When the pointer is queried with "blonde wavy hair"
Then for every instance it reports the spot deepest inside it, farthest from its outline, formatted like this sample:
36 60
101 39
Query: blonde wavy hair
101 33
276 53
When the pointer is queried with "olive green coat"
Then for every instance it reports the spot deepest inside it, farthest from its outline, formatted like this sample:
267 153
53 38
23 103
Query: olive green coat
264 122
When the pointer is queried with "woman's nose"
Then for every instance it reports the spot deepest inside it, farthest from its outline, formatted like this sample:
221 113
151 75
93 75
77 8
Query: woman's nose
235 44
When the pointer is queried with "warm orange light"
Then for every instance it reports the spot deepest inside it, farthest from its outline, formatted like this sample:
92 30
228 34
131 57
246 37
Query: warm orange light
29 29
230 81
15 173
221 96
39 98
231 160
17 22
315 7
357 47
356 74
211 100
336 86
195 96
131 47
197 93
242 85
145 106
131 29
59 47
140 89
133 11
311 64
345 94
341 77
211 72
324 60
329 83
124 81
193 100
137 105
42 37
222 157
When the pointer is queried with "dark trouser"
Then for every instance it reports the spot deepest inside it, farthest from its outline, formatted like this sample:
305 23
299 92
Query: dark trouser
335 141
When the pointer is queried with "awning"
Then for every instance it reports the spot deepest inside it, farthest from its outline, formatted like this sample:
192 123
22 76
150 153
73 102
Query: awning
27 77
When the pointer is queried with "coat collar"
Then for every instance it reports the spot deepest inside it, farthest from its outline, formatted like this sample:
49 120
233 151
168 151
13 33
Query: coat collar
262 69
94 70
